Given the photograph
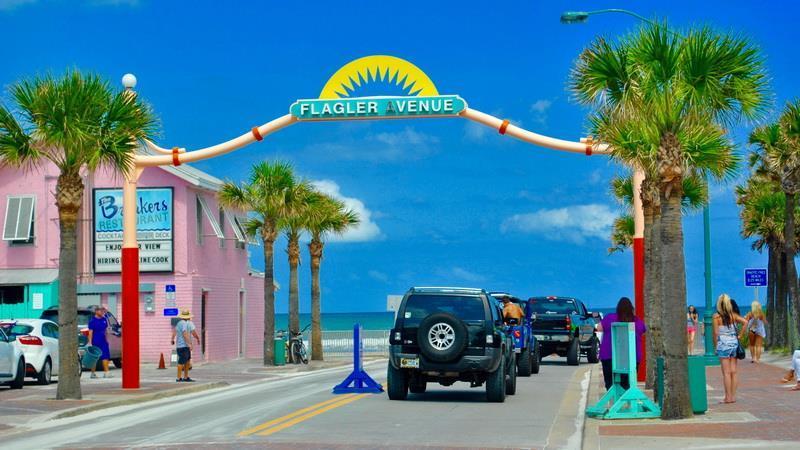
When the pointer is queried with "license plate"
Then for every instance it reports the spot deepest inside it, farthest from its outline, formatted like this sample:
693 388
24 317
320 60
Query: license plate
517 350
545 337
409 363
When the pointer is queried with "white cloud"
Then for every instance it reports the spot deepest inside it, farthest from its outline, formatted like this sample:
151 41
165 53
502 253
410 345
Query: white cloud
378 276
460 274
366 230
407 144
539 108
572 223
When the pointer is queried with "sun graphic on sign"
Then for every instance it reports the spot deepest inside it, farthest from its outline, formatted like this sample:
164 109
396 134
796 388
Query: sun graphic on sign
387 71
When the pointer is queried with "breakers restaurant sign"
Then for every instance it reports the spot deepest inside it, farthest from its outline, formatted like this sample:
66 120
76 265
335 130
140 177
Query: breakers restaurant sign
153 230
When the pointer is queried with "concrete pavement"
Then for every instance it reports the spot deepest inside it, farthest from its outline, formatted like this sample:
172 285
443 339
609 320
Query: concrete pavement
299 411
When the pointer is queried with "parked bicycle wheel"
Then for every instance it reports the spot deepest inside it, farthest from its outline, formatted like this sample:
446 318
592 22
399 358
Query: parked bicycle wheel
299 353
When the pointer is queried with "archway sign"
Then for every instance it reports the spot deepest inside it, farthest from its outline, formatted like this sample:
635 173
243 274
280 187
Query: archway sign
420 99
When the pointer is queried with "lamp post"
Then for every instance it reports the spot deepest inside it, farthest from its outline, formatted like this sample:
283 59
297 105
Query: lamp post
578 17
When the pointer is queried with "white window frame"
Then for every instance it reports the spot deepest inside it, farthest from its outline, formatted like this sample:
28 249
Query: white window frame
237 229
241 221
29 221
210 216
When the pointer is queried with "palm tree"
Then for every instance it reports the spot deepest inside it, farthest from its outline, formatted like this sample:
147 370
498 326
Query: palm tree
778 158
325 216
293 226
78 123
272 193
670 99
763 213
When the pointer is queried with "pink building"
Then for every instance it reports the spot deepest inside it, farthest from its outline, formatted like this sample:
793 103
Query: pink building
193 256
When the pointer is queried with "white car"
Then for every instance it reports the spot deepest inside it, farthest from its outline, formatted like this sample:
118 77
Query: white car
12 362
38 340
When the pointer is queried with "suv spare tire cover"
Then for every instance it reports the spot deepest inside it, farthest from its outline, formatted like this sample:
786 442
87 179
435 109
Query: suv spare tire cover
442 337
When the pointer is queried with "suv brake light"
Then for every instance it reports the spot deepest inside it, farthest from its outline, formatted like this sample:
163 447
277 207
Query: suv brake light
569 323
30 340
517 333
85 332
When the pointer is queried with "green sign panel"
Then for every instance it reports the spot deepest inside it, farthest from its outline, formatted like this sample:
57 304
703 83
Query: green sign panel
378 107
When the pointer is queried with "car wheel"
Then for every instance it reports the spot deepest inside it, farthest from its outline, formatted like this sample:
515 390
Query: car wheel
442 337
511 377
45 375
117 362
19 380
397 380
536 358
594 350
496 384
574 353
524 363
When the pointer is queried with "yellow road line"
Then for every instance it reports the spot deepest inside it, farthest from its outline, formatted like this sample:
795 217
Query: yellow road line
307 416
265 425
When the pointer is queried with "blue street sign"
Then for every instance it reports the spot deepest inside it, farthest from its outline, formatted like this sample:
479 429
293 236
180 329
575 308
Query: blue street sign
755 277
169 288
170 312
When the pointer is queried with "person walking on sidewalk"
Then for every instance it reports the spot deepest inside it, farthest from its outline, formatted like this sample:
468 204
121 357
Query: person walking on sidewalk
691 327
727 339
98 330
182 339
757 331
624 314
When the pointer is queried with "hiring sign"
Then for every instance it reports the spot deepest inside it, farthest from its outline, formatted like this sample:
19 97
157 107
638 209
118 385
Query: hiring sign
154 229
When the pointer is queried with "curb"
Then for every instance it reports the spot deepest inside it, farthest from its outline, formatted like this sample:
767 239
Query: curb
139 399
591 427
566 428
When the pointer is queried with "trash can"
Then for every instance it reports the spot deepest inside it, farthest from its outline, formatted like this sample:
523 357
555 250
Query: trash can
280 351
90 357
697 383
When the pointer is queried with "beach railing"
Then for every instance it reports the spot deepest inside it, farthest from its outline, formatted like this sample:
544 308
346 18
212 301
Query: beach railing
339 344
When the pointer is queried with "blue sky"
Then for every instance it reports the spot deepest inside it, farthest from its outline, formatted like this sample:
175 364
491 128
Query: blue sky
444 202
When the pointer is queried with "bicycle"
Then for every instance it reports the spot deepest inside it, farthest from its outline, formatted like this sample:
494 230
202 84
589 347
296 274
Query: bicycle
296 351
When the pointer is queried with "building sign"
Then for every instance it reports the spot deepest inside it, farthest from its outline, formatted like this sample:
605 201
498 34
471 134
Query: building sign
154 229
378 107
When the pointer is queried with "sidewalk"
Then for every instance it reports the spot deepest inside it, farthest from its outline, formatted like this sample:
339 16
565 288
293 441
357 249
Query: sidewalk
766 415
35 403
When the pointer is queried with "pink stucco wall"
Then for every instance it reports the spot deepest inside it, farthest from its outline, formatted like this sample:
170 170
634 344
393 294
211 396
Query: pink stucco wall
221 272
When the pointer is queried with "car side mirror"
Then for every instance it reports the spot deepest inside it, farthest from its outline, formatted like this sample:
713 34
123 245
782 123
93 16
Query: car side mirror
595 315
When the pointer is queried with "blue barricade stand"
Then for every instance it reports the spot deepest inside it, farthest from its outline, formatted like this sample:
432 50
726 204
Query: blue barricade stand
358 381
619 403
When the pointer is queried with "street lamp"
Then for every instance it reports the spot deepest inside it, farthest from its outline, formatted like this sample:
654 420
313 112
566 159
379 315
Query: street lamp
129 81
575 17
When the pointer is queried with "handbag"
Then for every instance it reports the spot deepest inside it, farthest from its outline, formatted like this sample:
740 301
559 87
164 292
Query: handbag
740 351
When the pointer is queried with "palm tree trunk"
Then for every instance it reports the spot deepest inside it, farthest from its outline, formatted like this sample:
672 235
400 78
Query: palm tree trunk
791 269
652 297
771 264
294 288
269 298
677 403
69 196
779 321
315 249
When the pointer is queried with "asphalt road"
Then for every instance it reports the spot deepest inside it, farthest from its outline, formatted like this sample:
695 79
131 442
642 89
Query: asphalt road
300 412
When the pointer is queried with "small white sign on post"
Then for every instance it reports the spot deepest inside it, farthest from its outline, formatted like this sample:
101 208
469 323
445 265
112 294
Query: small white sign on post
37 300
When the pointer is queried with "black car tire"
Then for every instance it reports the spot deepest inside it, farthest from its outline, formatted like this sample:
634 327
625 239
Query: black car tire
511 376
117 362
460 336
418 385
574 352
45 375
397 381
496 384
536 358
19 380
524 363
592 355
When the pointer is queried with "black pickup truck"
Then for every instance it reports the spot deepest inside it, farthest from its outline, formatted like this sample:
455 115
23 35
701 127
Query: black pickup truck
564 326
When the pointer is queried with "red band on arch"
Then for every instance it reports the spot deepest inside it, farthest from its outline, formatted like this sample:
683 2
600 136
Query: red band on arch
503 126
175 160
257 134
588 150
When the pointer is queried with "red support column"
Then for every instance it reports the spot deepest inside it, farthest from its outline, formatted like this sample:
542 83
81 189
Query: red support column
638 283
130 318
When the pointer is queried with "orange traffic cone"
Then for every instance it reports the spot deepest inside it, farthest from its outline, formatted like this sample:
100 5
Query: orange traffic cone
161 364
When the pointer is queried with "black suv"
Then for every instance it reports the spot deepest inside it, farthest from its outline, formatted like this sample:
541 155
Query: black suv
446 335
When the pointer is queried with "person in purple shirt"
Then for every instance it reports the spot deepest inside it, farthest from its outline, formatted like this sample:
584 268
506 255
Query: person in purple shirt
98 330
624 314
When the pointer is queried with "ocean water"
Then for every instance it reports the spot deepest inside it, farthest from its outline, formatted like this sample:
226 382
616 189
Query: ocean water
343 321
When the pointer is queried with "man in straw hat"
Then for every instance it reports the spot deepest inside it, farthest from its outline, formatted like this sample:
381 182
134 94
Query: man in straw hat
182 339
